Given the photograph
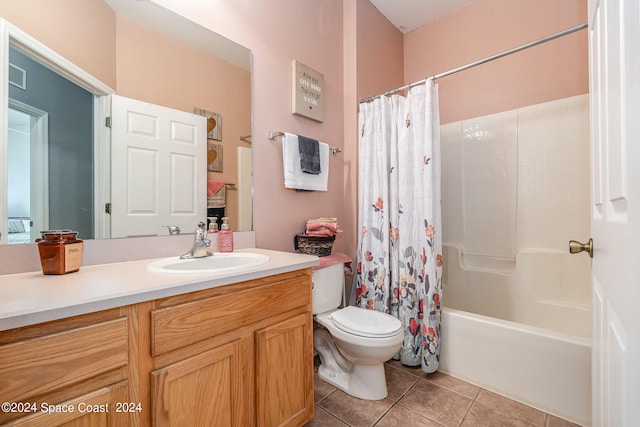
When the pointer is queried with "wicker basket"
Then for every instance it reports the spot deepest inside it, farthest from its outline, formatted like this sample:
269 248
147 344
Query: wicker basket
314 245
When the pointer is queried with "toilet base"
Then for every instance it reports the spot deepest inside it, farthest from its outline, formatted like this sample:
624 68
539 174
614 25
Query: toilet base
365 382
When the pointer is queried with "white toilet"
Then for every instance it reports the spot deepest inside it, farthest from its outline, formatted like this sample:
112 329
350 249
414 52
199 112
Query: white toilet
356 341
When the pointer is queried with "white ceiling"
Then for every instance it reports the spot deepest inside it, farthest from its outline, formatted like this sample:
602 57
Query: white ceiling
407 15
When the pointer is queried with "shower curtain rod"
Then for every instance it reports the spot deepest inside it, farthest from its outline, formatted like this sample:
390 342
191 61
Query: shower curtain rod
481 61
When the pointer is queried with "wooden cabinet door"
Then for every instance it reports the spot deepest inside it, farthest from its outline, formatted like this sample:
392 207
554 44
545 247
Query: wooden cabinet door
202 390
284 372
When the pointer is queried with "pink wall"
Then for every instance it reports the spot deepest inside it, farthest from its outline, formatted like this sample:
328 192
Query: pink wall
91 24
380 52
556 69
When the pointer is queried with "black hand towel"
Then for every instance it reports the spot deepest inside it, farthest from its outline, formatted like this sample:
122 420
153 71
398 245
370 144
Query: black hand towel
309 155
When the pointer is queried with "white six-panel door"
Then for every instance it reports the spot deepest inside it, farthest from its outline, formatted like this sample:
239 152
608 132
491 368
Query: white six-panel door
159 170
614 50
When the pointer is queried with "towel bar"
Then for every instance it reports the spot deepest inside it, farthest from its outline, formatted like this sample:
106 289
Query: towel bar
273 135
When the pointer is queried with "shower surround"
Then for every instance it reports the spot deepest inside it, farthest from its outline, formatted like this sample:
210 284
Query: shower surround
515 190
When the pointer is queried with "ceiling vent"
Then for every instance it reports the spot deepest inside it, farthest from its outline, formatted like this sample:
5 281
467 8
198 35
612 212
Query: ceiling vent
17 77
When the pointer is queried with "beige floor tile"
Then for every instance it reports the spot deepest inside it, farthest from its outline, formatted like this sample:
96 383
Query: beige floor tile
398 382
430 400
517 409
437 403
355 412
322 418
485 416
399 416
453 384
413 370
321 389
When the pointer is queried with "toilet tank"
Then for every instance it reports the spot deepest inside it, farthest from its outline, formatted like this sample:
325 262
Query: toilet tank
328 285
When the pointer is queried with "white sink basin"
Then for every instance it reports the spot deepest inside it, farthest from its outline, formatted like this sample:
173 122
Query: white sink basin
220 262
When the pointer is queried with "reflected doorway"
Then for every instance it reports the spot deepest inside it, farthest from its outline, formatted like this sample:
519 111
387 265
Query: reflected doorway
69 157
27 173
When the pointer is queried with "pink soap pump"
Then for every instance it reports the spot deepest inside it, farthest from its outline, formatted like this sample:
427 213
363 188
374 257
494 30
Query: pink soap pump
225 236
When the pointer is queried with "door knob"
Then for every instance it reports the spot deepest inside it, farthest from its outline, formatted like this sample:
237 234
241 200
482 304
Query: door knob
576 247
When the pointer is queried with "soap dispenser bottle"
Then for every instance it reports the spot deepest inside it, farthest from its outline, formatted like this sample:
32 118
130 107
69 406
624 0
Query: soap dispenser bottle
225 236
213 224
213 228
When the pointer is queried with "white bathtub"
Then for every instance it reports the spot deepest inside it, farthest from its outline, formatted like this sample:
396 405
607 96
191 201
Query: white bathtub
521 328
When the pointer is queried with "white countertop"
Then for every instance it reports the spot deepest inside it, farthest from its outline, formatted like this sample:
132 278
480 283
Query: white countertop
31 298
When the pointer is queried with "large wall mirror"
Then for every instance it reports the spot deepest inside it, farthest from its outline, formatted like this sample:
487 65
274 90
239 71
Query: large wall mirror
51 151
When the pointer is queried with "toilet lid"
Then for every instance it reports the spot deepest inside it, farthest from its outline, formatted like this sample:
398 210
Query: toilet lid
366 323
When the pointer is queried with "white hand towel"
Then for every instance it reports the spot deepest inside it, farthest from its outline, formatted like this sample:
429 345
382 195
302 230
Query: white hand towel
293 175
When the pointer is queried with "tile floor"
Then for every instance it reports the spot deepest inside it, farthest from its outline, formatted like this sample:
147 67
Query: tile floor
424 400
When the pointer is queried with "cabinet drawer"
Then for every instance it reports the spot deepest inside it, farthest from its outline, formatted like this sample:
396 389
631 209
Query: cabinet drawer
32 367
187 323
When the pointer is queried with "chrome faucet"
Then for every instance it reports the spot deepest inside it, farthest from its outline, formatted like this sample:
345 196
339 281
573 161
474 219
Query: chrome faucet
200 244
173 229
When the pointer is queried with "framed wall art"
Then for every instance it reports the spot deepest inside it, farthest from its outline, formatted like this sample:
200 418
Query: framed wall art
307 97
214 157
214 123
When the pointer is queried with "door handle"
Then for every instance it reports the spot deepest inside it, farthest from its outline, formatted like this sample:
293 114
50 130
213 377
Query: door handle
576 247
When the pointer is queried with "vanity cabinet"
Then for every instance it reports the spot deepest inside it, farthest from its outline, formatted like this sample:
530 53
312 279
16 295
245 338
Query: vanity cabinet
238 355
234 355
70 372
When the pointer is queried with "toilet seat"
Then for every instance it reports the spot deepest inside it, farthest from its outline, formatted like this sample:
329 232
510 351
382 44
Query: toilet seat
366 323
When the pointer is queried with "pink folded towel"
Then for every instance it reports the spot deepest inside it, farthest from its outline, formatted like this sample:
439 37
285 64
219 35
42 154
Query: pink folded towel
317 226
322 227
213 187
335 258
324 232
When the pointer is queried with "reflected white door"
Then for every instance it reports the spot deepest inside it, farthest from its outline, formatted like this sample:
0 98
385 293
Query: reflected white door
159 168
614 40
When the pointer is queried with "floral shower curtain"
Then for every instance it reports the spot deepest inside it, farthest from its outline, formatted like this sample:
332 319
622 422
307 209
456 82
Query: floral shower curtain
400 243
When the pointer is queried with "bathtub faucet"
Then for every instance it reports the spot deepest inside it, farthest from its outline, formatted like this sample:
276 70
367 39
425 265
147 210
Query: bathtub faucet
200 244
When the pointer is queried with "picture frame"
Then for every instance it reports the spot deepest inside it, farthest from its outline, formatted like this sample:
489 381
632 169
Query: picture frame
214 157
214 123
307 92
